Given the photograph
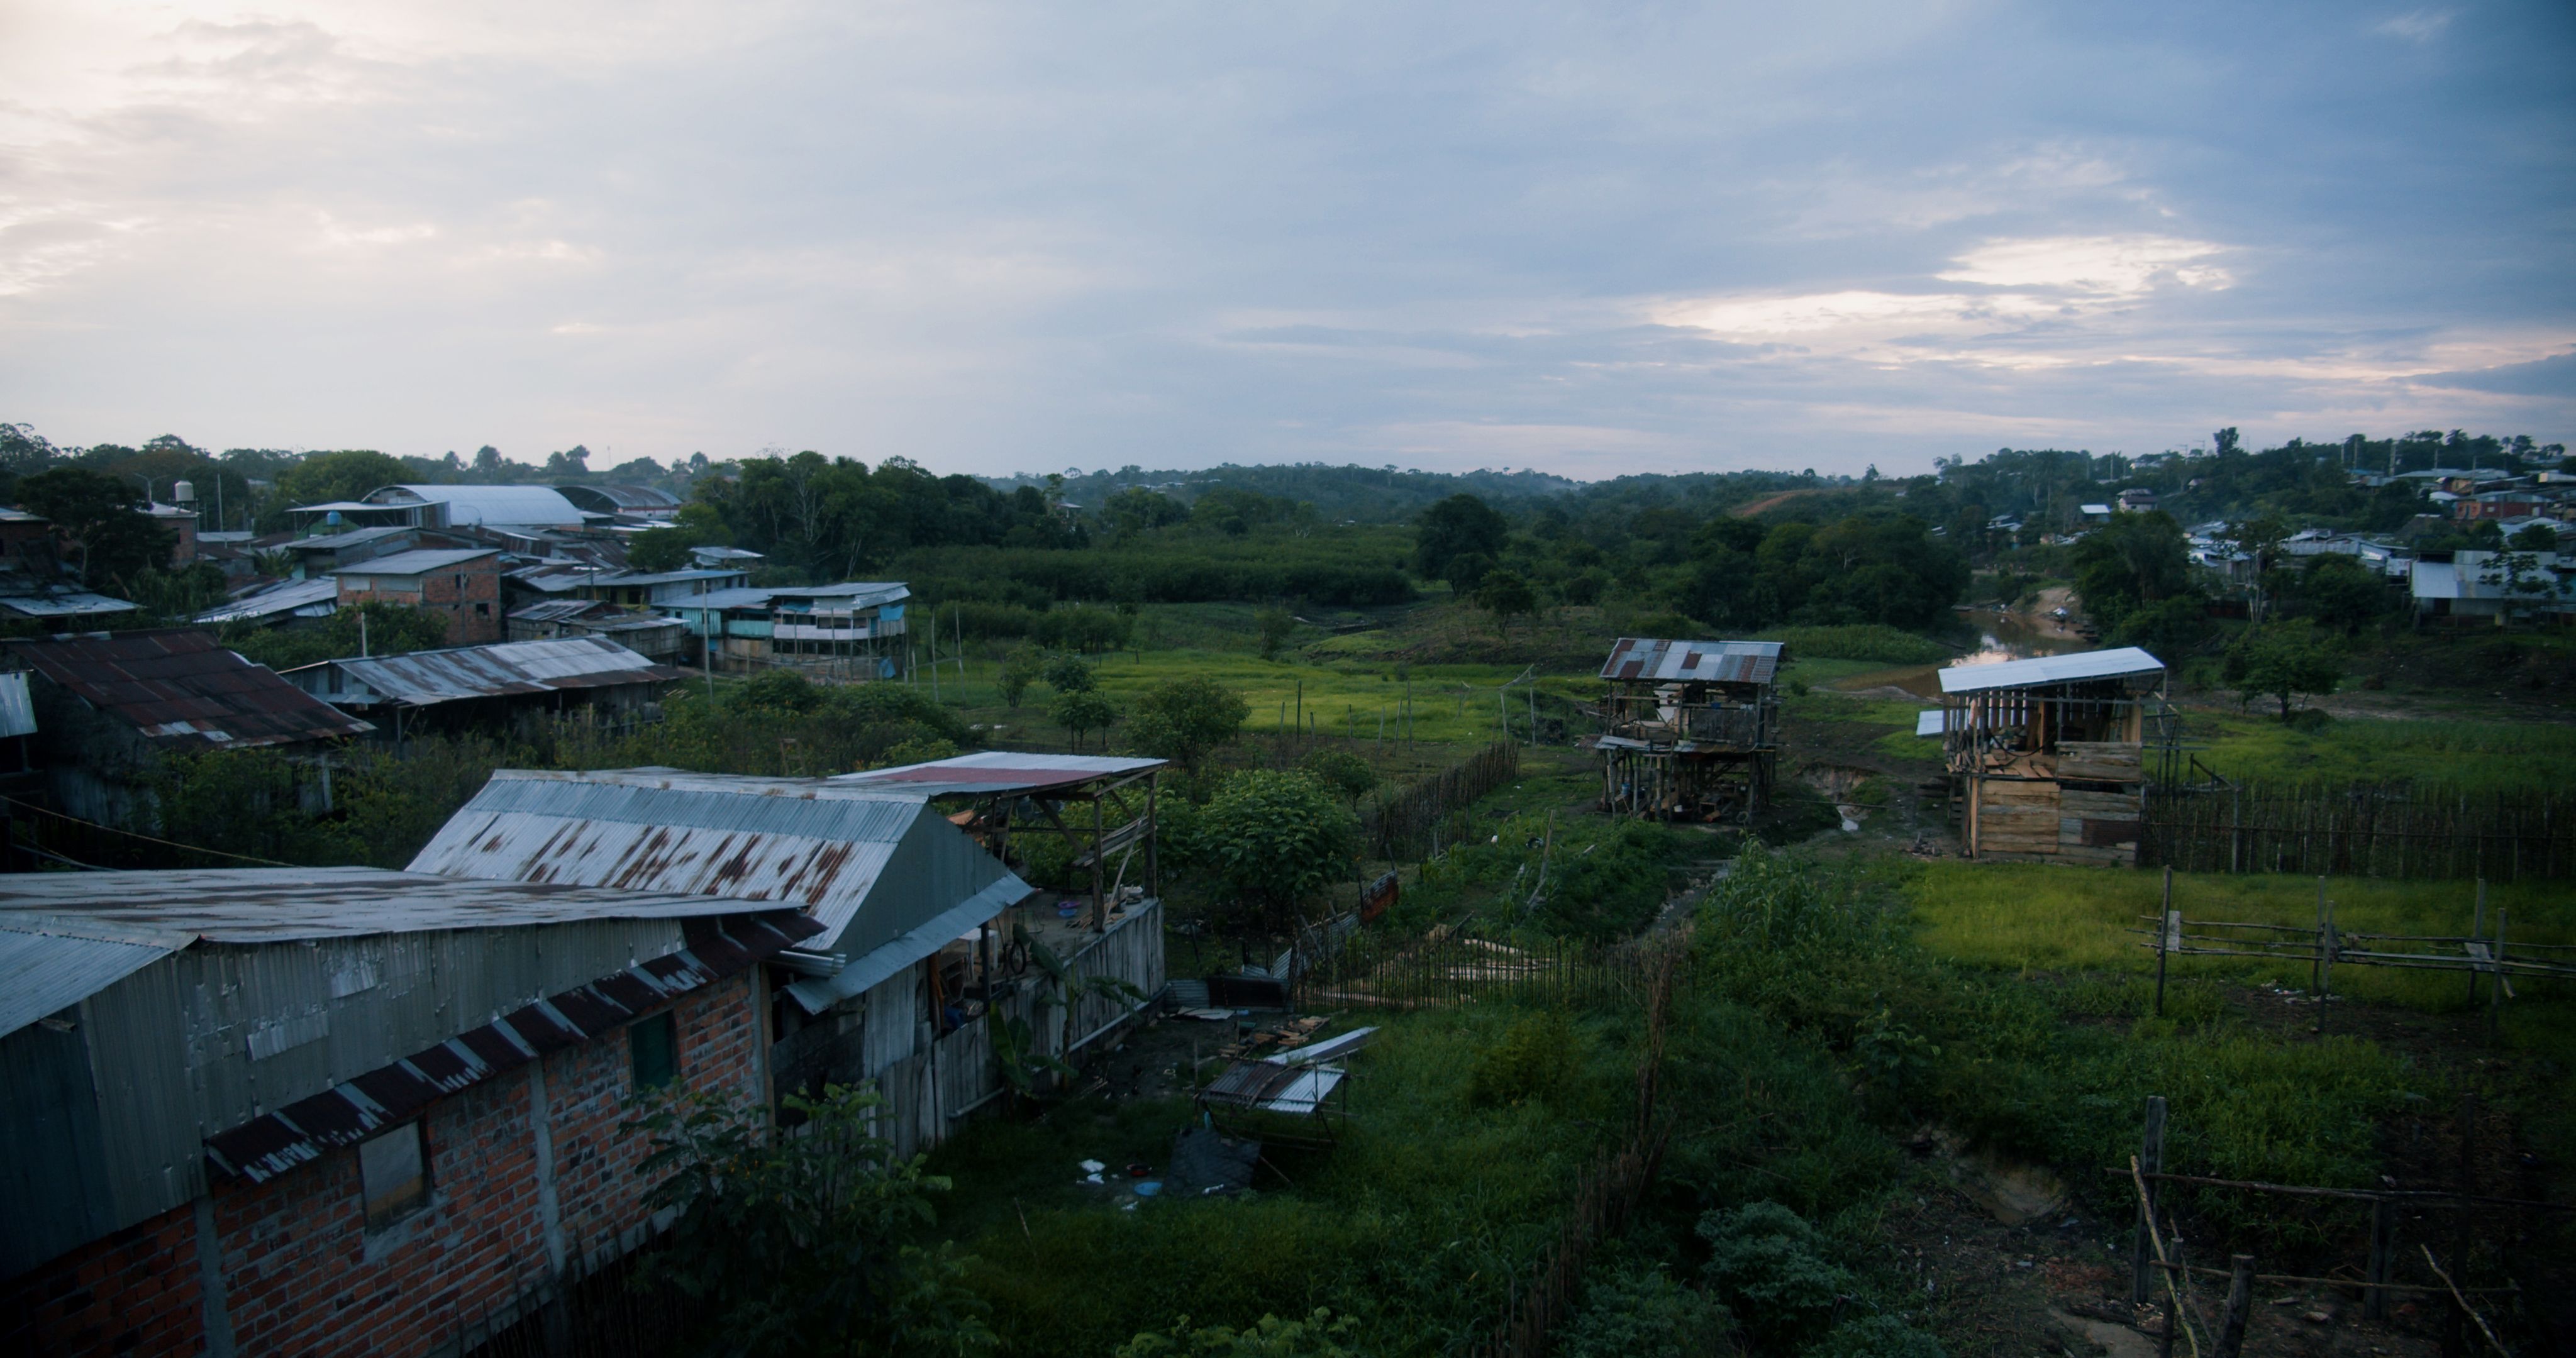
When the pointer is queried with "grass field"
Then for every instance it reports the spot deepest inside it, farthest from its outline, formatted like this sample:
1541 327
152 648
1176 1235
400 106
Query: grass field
2041 917
2469 756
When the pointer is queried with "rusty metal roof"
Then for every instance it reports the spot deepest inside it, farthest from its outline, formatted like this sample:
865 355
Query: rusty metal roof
988 773
64 604
871 864
292 596
425 678
270 905
355 1109
1653 660
176 684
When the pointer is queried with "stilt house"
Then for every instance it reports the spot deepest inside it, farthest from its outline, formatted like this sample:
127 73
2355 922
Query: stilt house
1692 728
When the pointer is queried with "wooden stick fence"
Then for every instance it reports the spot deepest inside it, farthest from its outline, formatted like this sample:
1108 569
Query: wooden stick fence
1410 824
1445 968
2150 1257
2360 831
1604 1198
2326 945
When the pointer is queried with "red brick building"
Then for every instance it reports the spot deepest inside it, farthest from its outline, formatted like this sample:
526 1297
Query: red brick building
342 1110
463 584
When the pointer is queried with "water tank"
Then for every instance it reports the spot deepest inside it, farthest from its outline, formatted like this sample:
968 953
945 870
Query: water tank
183 492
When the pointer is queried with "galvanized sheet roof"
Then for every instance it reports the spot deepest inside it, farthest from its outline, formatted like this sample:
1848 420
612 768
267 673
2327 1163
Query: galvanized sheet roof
1653 659
511 505
17 707
997 773
355 1109
68 604
177 684
49 963
2050 669
882 962
268 905
871 864
284 598
419 562
423 678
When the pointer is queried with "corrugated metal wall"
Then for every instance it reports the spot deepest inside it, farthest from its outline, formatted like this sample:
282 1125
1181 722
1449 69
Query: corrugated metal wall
218 1035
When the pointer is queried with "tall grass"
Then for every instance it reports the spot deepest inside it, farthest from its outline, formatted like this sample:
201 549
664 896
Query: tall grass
2465 756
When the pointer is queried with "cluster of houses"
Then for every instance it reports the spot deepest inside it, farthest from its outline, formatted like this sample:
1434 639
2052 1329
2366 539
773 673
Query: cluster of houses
353 1110
498 563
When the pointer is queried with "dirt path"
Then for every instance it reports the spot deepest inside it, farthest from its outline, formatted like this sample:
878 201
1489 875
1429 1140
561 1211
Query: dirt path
1767 502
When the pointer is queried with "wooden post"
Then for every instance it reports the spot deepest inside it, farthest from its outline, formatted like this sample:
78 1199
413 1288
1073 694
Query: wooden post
1153 836
2166 927
2325 962
2240 1305
2455 1334
2477 929
2151 1160
2495 988
2374 1301
2173 1299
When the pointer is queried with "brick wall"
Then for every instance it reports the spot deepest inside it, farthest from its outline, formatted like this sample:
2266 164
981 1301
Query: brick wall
301 1273
468 596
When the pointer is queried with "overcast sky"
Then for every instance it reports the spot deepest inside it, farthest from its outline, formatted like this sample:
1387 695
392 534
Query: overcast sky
1590 240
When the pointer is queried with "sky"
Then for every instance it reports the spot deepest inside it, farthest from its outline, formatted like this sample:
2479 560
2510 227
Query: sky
1587 239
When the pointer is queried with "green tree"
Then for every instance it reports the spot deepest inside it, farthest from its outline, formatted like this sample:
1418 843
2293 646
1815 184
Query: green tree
1186 720
1274 625
802 1241
1024 666
2132 561
2282 660
322 478
1318 1335
2538 537
111 542
1273 839
1506 595
1460 525
1069 673
1465 571
1340 770
1081 710
2342 593
387 629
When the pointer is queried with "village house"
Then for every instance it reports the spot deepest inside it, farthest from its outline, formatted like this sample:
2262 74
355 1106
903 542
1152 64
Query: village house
489 686
2136 500
343 1110
664 641
919 931
462 584
855 628
2478 588
2047 756
1691 729
110 705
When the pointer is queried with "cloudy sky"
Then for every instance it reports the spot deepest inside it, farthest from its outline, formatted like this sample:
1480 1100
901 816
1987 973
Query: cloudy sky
1587 239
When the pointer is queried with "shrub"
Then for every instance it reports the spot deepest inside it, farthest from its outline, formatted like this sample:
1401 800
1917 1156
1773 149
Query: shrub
1340 770
1643 1313
1528 1064
1273 839
1766 1263
1879 1336
1186 720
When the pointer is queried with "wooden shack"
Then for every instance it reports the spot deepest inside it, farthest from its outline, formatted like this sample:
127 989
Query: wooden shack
2049 756
1691 729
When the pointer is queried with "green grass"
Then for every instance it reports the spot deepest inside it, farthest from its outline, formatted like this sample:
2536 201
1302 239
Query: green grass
2043 917
1874 642
2469 756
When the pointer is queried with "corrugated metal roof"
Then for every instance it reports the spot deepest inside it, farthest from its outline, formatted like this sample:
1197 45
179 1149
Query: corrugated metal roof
268 905
559 610
2050 669
517 506
285 598
177 684
17 706
871 864
424 678
420 562
720 599
1654 660
619 495
1930 723
673 577
49 963
68 604
855 591
355 1109
332 542
997 772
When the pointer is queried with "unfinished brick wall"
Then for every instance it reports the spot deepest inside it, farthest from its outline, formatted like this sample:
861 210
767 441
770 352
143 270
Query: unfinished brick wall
467 595
301 1272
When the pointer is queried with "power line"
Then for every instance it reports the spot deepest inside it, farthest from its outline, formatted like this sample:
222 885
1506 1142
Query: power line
149 839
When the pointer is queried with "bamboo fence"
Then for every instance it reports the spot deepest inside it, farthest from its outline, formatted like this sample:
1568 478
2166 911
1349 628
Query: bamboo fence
2363 830
1412 824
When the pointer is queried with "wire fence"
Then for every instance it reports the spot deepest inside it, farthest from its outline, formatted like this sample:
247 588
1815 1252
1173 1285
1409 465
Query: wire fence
1414 823
1449 966
2364 830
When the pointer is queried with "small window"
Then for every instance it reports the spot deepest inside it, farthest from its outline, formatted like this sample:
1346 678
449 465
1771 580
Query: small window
393 1172
655 1044
482 610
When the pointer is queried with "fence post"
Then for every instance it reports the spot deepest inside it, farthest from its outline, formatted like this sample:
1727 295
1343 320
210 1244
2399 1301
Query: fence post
2495 991
2166 928
2374 1302
2455 1334
2151 1160
2240 1303
2477 928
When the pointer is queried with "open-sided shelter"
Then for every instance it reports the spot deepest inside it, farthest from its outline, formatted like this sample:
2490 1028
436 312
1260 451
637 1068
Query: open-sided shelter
1691 729
2049 756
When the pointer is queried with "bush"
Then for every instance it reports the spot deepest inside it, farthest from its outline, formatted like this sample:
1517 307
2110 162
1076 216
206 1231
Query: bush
1643 1313
1340 770
1083 630
1527 1065
1766 1264
1878 1337
1273 839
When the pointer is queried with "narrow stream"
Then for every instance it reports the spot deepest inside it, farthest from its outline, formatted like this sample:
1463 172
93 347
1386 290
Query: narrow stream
2000 636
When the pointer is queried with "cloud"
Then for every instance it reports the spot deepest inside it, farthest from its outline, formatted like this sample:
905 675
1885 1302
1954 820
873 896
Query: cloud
2415 25
2554 376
